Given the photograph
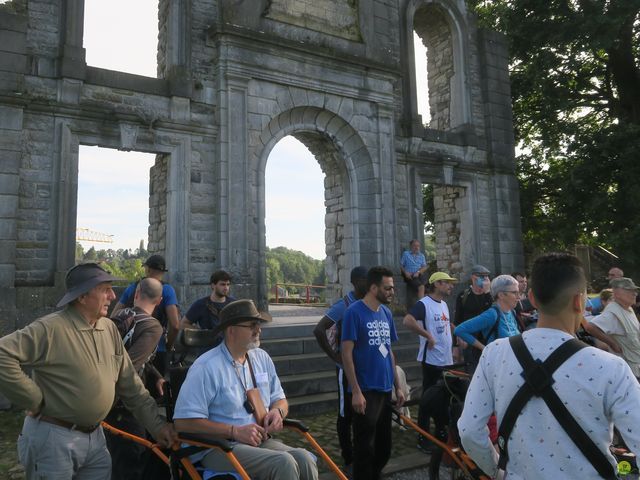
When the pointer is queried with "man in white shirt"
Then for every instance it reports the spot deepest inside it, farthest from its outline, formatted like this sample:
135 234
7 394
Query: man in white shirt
596 389
617 325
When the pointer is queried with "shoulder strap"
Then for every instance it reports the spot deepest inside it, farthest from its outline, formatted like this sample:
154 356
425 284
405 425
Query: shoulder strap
346 300
538 382
253 376
493 333
465 295
139 317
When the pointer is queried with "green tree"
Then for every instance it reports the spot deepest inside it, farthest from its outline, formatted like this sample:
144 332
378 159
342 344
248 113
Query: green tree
576 100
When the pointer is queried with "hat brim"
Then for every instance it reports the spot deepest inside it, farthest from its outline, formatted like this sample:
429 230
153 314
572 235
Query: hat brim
84 287
262 317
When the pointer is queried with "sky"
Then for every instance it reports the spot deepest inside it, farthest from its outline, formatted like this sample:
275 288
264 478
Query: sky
114 203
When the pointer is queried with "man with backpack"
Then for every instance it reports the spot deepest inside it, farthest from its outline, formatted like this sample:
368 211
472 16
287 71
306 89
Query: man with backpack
555 398
471 302
140 335
498 321
166 313
327 332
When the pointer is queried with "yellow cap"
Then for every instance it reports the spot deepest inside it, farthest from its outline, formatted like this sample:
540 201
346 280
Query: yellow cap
441 276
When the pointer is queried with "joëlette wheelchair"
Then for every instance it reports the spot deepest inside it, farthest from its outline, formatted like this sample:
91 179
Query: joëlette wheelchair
445 400
177 458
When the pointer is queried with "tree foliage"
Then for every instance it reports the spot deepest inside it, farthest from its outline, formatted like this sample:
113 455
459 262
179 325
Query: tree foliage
291 266
575 72
121 263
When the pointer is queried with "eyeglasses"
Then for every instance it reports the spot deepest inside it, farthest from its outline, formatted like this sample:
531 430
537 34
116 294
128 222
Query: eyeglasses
252 326
515 292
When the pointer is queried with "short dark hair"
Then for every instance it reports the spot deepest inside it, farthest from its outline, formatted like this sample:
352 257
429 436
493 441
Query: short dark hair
219 276
375 274
552 274
519 274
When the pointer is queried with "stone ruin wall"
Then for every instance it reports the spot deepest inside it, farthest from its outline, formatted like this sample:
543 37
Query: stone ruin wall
233 80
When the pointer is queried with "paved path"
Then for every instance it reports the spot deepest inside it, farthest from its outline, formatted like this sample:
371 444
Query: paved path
295 314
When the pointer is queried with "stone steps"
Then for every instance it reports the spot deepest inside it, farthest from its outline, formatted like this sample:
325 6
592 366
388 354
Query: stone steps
308 376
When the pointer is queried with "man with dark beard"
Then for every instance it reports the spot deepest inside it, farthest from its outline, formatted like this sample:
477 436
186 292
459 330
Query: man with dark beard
367 333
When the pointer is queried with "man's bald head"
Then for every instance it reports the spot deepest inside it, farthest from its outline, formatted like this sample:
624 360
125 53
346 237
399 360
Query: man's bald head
615 272
150 290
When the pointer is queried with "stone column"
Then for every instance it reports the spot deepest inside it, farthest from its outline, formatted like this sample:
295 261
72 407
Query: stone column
179 216
11 120
234 196
73 58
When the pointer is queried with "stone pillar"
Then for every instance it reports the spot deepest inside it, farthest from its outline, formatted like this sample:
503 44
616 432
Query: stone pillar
11 120
447 202
234 193
179 216
73 57
158 204
174 46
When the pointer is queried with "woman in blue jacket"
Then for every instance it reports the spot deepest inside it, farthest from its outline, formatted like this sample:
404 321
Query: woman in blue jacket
499 321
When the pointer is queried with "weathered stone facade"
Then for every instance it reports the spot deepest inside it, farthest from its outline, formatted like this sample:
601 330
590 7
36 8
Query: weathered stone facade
235 77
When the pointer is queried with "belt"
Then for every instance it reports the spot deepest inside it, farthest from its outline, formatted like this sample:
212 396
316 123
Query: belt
68 425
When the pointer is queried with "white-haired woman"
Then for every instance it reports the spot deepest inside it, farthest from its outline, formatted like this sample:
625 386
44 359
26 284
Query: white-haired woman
499 321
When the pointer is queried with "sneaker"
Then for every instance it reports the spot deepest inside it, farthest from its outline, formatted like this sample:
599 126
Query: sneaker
425 446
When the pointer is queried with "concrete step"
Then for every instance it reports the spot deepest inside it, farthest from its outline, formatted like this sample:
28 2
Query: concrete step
301 384
308 344
319 362
324 402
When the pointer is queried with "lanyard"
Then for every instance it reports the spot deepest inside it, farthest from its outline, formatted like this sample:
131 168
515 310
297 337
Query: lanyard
253 377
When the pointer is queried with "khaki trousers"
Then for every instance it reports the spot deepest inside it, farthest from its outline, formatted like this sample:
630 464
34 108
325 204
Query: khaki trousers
49 452
273 460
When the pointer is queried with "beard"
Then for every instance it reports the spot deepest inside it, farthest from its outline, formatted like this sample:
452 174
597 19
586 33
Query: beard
253 345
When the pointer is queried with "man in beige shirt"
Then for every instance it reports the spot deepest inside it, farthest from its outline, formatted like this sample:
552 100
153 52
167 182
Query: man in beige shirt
618 326
78 365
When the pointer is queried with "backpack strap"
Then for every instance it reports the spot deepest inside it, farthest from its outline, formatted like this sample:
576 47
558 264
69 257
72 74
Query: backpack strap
139 317
538 382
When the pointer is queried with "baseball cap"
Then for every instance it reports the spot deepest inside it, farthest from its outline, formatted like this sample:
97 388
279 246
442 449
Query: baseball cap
441 276
157 263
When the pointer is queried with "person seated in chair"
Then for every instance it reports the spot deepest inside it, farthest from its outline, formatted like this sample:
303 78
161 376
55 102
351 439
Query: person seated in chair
233 392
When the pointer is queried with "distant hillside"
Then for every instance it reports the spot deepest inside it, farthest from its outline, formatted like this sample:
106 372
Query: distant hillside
292 266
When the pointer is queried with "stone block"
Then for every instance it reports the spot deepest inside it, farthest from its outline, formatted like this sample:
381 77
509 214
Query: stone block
9 184
8 206
13 62
10 118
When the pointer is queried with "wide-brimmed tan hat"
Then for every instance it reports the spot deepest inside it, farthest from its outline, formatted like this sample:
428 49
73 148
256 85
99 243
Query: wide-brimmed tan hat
82 278
240 311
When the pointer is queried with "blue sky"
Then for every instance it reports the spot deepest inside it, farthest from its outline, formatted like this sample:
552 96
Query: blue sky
113 186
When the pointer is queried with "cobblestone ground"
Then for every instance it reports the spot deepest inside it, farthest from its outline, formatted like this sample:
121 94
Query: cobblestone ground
322 428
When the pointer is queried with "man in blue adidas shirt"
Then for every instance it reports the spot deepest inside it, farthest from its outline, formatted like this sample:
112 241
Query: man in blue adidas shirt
327 333
369 363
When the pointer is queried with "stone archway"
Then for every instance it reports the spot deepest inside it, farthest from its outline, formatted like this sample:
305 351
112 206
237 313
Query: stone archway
348 169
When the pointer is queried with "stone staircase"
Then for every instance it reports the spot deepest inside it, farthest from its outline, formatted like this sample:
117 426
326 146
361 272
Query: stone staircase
308 376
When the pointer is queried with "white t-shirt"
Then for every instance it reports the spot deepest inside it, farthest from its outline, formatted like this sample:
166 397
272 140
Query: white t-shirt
434 317
597 388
